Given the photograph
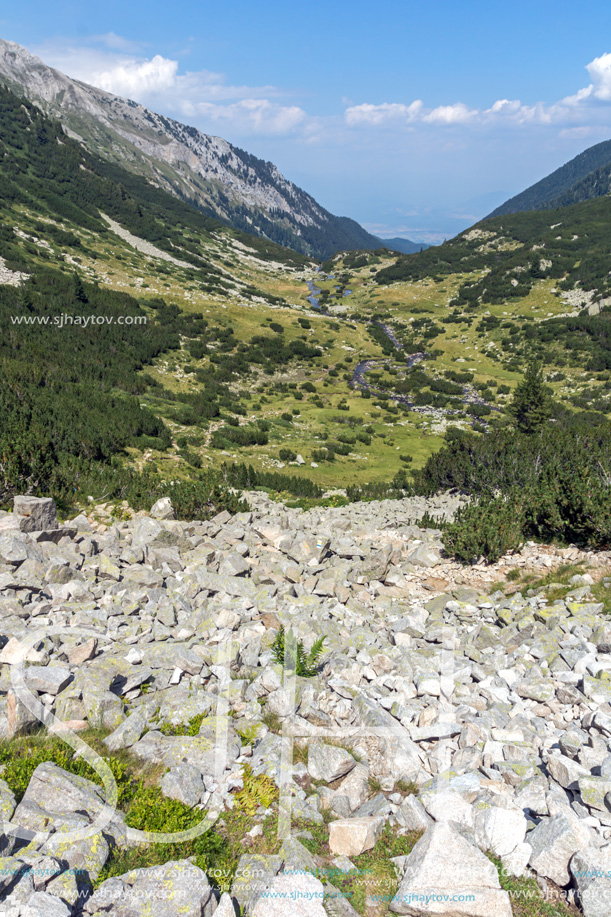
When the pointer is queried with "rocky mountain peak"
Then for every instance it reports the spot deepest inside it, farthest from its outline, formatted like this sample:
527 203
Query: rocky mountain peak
221 179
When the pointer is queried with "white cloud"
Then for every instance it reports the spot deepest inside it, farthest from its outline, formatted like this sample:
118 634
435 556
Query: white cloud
600 74
156 82
502 111
579 109
120 66
118 42
257 115
579 96
382 114
451 114
136 79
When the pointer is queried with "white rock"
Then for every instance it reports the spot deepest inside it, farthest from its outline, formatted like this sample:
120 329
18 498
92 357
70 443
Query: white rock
353 836
329 762
591 871
295 895
41 904
15 652
498 828
280 702
565 771
443 868
448 805
515 863
225 907
553 844
162 509
428 683
47 679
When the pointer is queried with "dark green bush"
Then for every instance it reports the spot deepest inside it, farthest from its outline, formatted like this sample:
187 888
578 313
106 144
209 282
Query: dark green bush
242 436
245 477
563 473
395 489
479 410
203 498
489 529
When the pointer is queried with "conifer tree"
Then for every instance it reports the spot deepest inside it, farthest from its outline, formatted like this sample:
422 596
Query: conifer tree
531 405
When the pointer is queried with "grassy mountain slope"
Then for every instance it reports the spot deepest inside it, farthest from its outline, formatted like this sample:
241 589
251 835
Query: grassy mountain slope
595 184
584 177
207 172
568 245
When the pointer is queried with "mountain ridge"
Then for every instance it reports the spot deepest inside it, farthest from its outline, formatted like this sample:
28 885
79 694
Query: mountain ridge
584 177
205 171
404 246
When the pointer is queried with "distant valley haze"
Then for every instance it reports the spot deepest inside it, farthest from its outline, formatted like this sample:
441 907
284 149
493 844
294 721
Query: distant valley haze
414 120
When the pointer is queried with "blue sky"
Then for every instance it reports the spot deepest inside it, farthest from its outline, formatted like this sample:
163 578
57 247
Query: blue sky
414 118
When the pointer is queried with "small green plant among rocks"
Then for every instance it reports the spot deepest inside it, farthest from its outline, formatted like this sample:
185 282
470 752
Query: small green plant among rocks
183 729
145 807
427 521
291 653
258 790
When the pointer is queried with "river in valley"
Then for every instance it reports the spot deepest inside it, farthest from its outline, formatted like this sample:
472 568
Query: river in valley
470 395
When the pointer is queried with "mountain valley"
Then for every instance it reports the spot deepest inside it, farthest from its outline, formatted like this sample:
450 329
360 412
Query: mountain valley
322 389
